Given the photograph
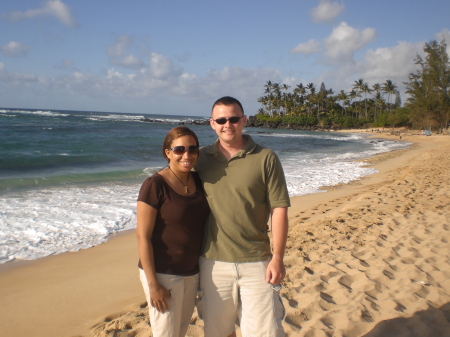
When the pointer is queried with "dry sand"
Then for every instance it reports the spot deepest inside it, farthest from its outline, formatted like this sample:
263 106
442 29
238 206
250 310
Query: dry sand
370 258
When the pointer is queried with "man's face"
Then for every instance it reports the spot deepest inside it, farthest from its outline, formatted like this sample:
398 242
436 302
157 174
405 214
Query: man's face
228 133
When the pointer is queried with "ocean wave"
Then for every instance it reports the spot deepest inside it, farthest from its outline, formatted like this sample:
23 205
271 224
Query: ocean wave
63 219
48 113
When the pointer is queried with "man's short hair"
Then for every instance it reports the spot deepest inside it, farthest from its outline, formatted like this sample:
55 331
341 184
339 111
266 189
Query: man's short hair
227 101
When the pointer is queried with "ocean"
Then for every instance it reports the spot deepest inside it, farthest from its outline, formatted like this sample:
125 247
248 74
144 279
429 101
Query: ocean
69 179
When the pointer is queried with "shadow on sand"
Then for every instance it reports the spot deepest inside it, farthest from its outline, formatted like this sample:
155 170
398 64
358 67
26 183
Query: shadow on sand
433 322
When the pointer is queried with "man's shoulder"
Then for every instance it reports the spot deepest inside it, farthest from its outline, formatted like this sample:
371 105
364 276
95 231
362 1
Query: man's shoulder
205 156
262 150
208 149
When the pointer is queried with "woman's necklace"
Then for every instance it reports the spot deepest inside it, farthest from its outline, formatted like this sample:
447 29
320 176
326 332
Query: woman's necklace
186 188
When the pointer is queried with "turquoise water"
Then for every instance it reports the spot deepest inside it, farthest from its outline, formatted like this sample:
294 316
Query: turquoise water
48 148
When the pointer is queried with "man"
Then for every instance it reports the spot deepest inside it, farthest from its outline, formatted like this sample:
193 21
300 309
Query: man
245 186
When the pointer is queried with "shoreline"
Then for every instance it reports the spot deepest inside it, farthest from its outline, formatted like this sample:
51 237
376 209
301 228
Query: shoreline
11 265
98 287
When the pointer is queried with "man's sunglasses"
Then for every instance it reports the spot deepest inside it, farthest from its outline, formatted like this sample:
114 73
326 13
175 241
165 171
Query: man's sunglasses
180 150
223 120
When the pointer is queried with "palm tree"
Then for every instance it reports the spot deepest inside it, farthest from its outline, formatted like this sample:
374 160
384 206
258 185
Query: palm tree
311 97
379 100
377 88
352 95
389 88
366 90
359 86
268 91
299 93
268 86
276 89
285 87
342 96
329 97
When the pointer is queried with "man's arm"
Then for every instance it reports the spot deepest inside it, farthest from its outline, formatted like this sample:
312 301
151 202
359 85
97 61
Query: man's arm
276 270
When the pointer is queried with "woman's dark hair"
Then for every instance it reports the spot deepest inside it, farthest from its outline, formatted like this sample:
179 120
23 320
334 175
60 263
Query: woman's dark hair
175 133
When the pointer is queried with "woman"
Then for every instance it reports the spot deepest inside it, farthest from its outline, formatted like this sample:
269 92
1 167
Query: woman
171 212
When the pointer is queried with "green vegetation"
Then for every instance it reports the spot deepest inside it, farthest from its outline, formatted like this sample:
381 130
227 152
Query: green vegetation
377 105
429 89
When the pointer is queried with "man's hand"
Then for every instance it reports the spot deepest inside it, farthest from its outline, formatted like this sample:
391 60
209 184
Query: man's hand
275 271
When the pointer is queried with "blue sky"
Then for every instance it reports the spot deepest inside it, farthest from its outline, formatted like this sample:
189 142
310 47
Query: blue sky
178 57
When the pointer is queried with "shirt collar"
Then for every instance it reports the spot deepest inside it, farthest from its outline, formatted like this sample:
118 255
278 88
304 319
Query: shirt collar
248 148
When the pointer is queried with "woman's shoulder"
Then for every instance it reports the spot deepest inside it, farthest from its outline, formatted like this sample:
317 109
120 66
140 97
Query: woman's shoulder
154 179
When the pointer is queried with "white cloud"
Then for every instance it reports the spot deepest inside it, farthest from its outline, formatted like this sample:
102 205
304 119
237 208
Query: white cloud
65 64
394 63
54 8
68 63
326 11
14 49
121 46
17 77
119 53
444 35
375 66
161 81
132 62
307 48
345 40
161 67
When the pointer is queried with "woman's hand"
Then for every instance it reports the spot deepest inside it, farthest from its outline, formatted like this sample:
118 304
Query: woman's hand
159 297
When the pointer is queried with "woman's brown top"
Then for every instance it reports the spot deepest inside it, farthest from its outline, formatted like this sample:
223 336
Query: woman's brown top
178 231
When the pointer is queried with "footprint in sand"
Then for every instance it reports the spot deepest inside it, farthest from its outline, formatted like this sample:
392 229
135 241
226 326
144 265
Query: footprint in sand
346 281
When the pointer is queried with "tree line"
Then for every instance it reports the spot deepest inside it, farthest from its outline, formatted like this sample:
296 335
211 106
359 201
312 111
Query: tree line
365 105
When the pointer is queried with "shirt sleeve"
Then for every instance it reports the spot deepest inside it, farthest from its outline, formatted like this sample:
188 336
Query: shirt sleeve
151 193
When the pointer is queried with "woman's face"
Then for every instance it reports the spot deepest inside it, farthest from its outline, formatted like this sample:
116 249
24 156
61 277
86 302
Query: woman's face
186 161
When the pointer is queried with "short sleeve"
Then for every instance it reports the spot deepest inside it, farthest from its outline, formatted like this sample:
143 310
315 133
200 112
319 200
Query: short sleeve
152 192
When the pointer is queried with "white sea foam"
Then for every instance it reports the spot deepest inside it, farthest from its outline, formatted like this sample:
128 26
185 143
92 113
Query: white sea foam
39 113
309 174
122 118
35 224
134 118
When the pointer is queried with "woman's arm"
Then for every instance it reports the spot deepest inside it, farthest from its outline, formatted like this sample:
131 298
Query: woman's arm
146 217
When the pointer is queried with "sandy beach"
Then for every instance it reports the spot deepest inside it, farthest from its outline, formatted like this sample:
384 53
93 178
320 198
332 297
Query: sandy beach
369 258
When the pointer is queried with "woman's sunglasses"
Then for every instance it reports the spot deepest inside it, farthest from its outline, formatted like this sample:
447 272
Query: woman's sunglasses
223 120
180 150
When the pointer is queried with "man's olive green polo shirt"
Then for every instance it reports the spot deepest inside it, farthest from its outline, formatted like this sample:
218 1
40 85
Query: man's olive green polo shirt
241 192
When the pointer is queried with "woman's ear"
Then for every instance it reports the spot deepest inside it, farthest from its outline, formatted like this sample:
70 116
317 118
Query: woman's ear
167 151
